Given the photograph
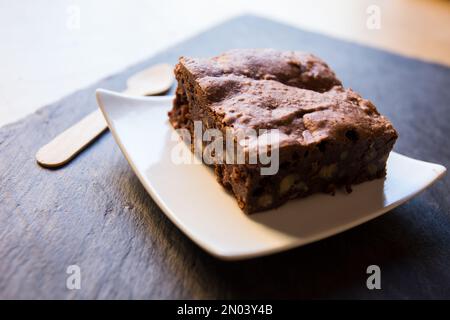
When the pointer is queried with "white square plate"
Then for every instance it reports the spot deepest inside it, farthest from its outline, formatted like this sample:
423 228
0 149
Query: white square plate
190 196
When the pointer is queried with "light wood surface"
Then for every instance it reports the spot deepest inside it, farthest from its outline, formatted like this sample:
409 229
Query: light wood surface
415 28
58 152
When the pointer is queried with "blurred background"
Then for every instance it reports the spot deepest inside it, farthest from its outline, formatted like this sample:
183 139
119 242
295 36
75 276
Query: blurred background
49 49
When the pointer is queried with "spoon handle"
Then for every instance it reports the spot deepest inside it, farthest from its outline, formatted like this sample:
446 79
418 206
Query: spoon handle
70 142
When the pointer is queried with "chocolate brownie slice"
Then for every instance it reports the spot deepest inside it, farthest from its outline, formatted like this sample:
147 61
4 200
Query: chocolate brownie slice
328 135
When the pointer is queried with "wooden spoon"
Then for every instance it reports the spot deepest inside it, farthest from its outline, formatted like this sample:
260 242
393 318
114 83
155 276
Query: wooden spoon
64 147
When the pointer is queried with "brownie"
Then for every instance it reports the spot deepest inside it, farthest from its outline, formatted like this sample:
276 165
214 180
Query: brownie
329 136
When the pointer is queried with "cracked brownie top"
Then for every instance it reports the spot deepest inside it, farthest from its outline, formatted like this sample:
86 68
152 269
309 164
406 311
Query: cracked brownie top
294 92
293 68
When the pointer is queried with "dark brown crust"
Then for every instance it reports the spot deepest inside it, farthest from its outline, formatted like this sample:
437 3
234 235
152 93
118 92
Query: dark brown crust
331 136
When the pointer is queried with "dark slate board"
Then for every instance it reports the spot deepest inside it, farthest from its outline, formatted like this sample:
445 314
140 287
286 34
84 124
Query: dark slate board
95 213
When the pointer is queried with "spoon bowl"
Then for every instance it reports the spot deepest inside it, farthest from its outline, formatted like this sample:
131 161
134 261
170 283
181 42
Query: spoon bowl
152 81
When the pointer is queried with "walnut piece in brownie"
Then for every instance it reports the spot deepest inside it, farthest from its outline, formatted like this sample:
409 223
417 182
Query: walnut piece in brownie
330 136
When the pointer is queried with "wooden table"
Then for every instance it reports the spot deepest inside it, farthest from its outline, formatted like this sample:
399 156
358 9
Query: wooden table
95 214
